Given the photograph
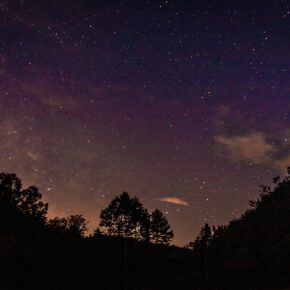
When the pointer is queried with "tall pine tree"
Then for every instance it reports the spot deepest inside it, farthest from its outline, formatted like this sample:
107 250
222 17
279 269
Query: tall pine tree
125 217
160 232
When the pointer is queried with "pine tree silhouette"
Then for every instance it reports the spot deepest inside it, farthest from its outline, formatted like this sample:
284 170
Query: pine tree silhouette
125 217
160 231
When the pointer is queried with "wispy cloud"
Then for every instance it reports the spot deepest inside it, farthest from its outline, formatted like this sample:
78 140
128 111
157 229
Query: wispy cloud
52 96
174 200
255 148
32 155
249 147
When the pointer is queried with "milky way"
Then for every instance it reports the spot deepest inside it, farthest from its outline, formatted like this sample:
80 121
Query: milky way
182 103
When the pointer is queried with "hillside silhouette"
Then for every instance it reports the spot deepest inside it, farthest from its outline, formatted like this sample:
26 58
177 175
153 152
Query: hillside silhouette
131 247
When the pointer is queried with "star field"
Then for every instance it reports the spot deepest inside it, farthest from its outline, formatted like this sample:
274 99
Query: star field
182 103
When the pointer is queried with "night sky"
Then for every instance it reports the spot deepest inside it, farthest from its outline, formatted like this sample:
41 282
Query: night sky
182 103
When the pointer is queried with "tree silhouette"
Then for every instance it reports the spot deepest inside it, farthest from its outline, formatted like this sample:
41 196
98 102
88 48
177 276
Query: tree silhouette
145 225
202 241
97 233
73 224
125 217
10 187
77 225
27 200
30 203
160 231
58 224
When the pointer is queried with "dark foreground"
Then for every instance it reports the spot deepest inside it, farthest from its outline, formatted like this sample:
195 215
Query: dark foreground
252 252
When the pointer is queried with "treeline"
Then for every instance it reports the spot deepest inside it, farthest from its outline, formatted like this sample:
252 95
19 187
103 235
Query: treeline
128 247
252 252
129 250
124 217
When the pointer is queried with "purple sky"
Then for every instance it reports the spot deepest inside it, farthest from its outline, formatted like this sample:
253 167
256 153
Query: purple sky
182 103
